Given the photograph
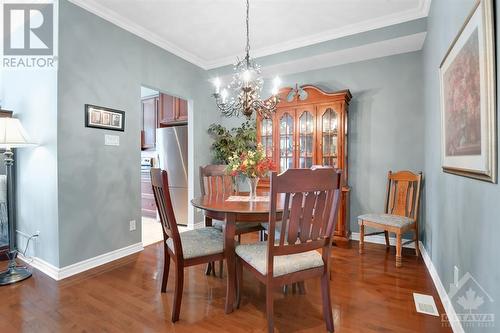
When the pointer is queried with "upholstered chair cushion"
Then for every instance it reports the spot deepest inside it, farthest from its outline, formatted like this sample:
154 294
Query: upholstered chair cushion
239 225
256 255
199 242
387 219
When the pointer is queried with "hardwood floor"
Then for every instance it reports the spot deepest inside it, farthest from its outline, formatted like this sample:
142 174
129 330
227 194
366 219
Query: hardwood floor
369 294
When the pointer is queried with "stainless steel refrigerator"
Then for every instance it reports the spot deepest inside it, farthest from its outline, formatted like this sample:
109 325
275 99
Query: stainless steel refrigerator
172 150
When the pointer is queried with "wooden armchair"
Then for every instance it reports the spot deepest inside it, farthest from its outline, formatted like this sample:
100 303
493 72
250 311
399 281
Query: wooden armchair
401 211
193 247
311 203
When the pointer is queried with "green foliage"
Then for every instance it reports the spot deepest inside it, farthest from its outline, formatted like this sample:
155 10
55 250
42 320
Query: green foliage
237 140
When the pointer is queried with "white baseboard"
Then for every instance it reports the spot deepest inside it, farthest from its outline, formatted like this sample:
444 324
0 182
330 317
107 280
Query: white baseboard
456 326
79 267
380 239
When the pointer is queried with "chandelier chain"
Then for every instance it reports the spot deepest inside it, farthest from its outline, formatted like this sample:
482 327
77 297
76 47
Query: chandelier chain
247 49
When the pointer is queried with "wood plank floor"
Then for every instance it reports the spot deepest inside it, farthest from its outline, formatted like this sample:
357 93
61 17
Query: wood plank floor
368 295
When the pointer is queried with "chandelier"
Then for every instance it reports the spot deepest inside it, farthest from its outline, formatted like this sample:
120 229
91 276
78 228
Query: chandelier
245 88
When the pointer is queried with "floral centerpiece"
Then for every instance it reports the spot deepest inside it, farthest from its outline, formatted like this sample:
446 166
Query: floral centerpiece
253 164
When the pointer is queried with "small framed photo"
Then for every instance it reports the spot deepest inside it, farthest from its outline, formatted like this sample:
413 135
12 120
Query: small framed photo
105 118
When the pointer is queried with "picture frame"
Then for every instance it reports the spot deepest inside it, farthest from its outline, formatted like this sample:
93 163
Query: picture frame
468 98
104 118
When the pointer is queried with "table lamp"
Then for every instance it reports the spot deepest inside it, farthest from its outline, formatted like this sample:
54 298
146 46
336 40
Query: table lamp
12 135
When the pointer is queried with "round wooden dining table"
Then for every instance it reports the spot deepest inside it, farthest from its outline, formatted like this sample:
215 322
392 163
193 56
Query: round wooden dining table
218 207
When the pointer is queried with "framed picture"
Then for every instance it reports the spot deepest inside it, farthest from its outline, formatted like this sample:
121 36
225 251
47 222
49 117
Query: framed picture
468 98
101 117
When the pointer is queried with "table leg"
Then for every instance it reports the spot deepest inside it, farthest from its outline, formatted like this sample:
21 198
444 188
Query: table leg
229 231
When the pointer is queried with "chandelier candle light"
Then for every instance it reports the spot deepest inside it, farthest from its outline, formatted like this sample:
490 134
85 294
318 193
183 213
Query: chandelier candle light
246 86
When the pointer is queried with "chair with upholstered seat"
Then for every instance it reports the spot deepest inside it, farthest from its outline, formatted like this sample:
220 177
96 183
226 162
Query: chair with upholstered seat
401 212
194 247
215 180
311 200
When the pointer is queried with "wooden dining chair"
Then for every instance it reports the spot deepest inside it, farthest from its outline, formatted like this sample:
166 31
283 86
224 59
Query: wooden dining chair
193 247
311 203
400 214
215 180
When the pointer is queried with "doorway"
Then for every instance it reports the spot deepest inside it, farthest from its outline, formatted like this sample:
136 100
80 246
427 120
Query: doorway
164 144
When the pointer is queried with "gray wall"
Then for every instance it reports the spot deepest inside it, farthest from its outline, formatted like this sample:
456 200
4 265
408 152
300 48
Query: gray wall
32 95
461 214
386 121
99 186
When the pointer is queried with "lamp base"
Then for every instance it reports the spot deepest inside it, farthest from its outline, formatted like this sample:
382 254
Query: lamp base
14 274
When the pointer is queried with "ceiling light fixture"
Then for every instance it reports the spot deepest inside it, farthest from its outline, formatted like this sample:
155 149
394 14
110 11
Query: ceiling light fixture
246 86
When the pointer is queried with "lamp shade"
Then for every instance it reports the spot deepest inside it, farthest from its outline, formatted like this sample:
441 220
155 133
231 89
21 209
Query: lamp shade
12 134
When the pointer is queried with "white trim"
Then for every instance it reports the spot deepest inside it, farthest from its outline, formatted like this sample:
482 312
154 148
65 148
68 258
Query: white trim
380 239
84 265
324 36
41 265
456 325
98 9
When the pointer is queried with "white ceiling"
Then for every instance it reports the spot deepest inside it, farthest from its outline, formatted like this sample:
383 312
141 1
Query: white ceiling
210 33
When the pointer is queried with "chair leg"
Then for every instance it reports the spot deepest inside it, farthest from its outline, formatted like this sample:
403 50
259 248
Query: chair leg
417 249
179 284
302 288
327 304
387 243
398 250
209 268
269 308
239 281
166 268
221 268
361 239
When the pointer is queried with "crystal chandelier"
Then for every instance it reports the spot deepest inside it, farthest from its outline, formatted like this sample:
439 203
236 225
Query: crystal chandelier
246 86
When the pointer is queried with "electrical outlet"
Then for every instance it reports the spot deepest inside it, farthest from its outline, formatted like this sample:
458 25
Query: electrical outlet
132 225
456 275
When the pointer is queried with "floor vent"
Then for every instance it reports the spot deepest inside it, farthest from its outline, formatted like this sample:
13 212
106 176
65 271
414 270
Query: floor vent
425 304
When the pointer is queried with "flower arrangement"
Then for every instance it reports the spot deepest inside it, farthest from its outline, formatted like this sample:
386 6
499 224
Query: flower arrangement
251 163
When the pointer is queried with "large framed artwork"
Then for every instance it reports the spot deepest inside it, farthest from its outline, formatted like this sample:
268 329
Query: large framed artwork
468 98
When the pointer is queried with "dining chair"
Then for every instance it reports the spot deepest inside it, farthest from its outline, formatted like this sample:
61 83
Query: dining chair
215 180
193 247
310 207
400 214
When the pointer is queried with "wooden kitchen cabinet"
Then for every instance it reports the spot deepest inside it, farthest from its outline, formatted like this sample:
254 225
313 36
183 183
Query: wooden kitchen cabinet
149 122
148 204
172 110
310 128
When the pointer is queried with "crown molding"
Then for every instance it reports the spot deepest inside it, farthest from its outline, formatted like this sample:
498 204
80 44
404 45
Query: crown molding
385 21
385 48
96 8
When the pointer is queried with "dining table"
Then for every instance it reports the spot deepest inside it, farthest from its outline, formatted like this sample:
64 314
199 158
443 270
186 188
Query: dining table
232 208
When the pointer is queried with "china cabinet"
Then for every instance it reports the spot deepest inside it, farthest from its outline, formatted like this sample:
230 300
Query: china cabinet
310 128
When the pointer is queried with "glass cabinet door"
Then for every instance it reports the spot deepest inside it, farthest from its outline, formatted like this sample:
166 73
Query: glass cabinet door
266 136
286 141
329 137
306 139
